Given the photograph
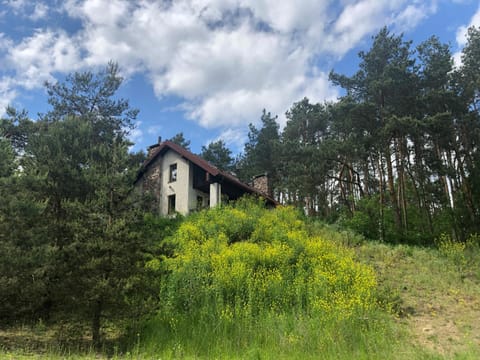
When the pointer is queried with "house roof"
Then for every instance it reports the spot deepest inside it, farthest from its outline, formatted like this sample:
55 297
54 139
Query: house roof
163 147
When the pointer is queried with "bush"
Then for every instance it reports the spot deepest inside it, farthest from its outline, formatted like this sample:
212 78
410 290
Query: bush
462 255
243 261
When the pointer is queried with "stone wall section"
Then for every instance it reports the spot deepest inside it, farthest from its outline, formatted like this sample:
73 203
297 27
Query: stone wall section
152 183
262 184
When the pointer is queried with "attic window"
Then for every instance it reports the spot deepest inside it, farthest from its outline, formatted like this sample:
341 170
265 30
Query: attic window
173 172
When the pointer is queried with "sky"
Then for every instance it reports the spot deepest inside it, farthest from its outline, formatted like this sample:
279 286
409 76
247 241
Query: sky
208 68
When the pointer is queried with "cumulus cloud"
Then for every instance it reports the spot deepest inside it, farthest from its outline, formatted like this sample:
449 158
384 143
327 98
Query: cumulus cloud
7 94
462 31
234 138
462 36
40 11
413 14
217 58
36 58
15 5
32 10
225 59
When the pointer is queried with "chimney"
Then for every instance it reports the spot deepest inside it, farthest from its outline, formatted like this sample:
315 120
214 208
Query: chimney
151 149
262 184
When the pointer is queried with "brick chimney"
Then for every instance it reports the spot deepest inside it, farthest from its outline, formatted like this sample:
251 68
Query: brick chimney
262 184
151 149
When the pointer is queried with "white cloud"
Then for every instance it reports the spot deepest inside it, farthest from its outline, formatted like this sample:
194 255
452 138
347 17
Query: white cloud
154 129
462 36
15 5
37 57
227 59
136 134
32 10
413 14
226 74
234 138
7 94
462 31
5 43
40 11
361 18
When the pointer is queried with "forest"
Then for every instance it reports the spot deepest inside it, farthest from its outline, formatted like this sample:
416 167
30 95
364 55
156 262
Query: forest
395 160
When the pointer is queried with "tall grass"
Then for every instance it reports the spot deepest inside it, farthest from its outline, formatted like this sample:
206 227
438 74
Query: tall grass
284 336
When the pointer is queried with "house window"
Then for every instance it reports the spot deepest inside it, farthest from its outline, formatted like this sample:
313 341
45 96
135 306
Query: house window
173 172
171 204
199 202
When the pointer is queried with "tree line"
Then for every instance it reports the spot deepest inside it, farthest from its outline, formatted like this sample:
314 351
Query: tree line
396 157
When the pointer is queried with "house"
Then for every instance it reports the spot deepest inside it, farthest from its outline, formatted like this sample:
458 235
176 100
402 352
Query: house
180 181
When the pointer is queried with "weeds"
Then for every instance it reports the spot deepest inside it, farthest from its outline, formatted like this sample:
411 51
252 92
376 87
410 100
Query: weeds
462 255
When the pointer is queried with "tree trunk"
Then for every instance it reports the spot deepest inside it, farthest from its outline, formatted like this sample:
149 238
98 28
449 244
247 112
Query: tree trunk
96 323
381 183
402 198
391 189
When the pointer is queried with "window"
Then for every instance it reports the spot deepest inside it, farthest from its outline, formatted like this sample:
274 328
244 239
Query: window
173 172
171 204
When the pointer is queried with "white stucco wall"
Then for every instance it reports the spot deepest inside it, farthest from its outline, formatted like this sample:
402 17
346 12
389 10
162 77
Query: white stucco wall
182 188
179 188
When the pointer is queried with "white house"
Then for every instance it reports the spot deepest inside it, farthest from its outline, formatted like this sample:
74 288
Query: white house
180 181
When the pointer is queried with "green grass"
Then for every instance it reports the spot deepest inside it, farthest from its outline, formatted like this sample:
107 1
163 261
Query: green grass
434 299
284 337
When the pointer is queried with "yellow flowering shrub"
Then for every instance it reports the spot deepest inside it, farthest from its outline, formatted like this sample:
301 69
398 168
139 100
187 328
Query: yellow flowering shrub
242 261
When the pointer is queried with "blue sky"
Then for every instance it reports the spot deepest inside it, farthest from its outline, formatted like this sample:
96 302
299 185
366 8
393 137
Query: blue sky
207 68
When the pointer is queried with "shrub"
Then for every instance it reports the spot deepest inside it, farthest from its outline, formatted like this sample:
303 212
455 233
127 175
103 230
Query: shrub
462 255
243 262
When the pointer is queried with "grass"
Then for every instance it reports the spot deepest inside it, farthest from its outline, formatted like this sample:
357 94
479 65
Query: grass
430 307
437 302
284 337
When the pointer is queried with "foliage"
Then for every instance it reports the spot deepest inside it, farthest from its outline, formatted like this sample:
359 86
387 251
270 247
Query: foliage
459 253
427 311
71 222
260 153
242 266
179 139
396 158
24 249
245 260
218 154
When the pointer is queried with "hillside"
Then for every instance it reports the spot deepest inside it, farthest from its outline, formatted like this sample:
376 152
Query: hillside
428 303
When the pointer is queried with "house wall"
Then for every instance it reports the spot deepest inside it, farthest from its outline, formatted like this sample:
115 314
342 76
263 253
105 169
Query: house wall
156 181
179 188
151 183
